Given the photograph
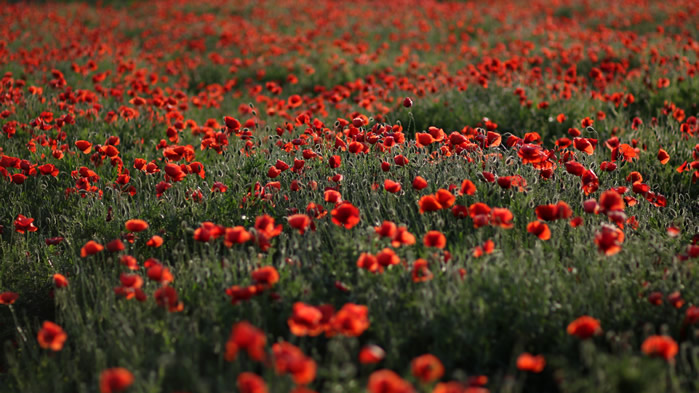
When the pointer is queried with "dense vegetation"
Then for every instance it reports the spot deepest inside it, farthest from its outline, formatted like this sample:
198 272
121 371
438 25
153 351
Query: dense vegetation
398 196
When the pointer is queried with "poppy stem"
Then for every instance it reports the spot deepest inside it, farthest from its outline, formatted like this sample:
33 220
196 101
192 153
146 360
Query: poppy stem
19 329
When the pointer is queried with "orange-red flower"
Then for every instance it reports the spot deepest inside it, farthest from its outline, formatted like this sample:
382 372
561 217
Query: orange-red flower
660 346
301 222
584 327
371 354
236 235
419 183
609 239
167 298
248 338
427 368
290 359
434 239
90 248
421 271
351 320
305 320
265 276
251 383
136 225
387 381
346 215
51 336
115 380
539 229
24 224
155 241
429 203
531 363
8 298
60 281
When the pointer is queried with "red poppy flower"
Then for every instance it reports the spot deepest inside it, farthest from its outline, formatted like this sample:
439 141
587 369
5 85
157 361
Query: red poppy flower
167 298
246 337
83 146
445 198
301 222
155 241
60 281
91 248
175 172
391 186
290 359
434 239
115 380
660 346
539 229
24 224
368 262
427 368
429 203
609 240
351 320
584 327
265 225
305 320
419 183
386 229
51 336
136 225
371 354
611 201
531 363
502 217
467 188
663 157
115 245
387 381
345 214
251 383
265 276
8 298
236 235
421 271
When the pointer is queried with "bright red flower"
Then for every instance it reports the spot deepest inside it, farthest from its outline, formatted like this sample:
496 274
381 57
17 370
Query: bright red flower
60 281
167 298
301 222
531 363
8 298
290 359
584 327
91 248
434 239
371 354
265 276
429 203
539 229
660 346
24 224
387 381
115 380
427 368
136 225
419 183
345 214
51 336
351 320
251 383
248 338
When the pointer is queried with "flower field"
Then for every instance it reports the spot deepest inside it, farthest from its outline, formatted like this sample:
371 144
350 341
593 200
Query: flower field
319 196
